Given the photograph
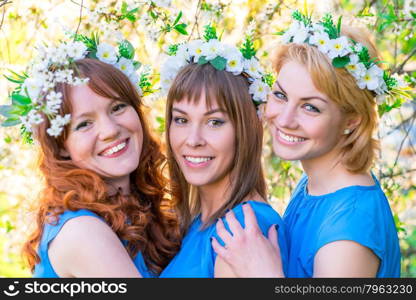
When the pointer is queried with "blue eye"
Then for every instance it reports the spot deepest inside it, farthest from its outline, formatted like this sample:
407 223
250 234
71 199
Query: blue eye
118 107
216 122
311 108
179 120
279 95
82 125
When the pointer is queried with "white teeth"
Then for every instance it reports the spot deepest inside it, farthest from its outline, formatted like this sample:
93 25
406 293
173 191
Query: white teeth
289 138
197 160
115 149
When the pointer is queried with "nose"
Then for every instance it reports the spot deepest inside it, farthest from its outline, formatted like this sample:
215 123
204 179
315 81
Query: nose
195 137
109 129
286 116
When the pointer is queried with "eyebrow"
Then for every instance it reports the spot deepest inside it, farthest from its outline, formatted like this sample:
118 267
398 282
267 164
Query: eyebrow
205 114
91 113
303 98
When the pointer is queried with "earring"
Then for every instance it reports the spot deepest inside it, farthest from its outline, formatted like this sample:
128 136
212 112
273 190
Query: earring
347 131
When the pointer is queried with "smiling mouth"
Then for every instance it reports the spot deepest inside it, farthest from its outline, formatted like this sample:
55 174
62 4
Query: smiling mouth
290 138
116 149
198 160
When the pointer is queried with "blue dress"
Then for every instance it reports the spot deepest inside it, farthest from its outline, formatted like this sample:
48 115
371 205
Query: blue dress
356 213
196 257
44 268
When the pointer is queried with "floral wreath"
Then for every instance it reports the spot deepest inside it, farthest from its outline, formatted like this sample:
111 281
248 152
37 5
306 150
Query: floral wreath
343 52
35 96
222 57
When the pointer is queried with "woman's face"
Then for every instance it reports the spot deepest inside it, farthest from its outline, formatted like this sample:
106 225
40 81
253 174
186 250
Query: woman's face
105 135
305 123
202 140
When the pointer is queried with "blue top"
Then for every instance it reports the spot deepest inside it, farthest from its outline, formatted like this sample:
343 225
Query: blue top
196 257
44 267
356 213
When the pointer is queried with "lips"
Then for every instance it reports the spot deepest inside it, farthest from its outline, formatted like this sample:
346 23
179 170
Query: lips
288 138
115 149
197 161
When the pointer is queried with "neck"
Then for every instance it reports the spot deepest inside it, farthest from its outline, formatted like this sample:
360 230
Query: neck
116 184
326 174
213 196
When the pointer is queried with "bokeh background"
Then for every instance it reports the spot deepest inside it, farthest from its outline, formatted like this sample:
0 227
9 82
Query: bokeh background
151 26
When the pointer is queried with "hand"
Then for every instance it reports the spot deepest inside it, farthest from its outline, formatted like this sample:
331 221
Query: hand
247 251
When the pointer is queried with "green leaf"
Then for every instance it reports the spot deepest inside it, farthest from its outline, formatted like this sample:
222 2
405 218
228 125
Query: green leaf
6 110
219 63
340 62
136 64
202 60
210 33
126 49
131 18
20 100
11 122
339 25
124 8
7 139
178 18
181 28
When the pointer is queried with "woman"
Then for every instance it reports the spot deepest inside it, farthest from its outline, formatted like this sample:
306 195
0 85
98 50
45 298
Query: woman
323 113
103 211
214 140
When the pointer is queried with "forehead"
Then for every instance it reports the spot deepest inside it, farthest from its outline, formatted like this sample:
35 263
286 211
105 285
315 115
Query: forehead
295 79
83 99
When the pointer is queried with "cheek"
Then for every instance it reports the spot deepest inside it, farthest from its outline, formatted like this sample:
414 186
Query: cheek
80 148
175 136
224 141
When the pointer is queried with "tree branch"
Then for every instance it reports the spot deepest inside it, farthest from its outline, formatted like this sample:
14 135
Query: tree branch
80 17
399 69
3 4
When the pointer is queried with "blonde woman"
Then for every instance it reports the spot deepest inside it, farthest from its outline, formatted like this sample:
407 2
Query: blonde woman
323 112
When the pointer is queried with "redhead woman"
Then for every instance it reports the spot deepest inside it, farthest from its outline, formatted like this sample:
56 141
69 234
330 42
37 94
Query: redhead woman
214 139
103 211
323 112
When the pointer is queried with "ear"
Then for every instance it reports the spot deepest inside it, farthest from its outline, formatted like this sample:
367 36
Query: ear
352 122
64 154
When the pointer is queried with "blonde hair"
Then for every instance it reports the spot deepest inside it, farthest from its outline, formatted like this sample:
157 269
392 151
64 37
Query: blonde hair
358 148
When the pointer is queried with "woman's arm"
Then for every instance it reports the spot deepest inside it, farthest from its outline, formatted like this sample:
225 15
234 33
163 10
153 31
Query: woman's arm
345 259
87 247
247 252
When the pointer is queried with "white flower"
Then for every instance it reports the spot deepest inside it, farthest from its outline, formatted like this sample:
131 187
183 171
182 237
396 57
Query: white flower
195 49
54 131
321 40
26 123
54 96
106 53
318 28
358 47
182 52
169 70
63 75
34 117
355 67
372 79
212 49
259 90
338 47
234 62
126 66
253 68
298 31
301 34
33 87
76 50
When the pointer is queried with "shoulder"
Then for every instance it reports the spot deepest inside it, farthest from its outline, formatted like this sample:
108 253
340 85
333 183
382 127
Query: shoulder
266 215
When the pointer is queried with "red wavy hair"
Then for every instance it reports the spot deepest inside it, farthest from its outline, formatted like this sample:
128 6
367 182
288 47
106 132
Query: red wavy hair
144 218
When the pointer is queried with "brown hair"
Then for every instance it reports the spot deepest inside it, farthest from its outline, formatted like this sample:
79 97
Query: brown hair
143 218
358 148
230 92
